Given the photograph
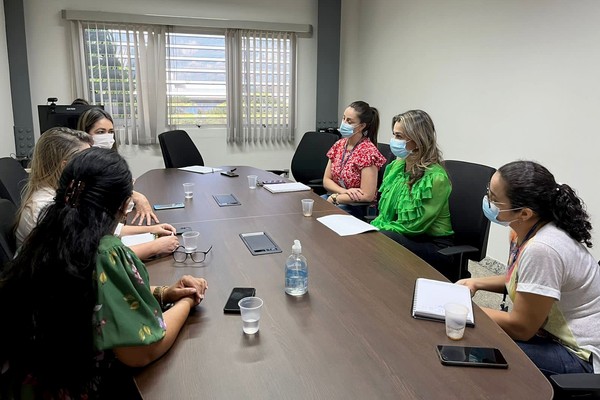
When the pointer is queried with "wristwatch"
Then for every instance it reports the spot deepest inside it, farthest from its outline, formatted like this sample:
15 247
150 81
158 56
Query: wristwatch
334 199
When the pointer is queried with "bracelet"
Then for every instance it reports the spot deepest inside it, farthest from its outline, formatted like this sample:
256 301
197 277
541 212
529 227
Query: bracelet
334 199
158 295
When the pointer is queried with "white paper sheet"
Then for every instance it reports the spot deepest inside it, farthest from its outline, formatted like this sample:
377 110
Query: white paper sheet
345 225
132 240
200 169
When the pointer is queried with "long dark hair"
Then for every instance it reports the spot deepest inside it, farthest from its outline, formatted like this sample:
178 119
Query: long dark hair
370 117
531 185
47 293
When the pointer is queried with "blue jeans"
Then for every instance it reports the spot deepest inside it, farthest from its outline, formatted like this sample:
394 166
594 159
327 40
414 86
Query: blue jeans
553 358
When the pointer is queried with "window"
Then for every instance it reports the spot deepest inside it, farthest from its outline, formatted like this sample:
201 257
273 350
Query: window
193 79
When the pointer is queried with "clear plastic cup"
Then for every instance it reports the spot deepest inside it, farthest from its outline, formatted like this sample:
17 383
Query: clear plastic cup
250 308
190 240
456 320
307 207
252 181
188 190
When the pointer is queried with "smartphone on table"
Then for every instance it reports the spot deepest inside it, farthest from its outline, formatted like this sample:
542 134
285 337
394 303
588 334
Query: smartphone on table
168 206
238 293
463 356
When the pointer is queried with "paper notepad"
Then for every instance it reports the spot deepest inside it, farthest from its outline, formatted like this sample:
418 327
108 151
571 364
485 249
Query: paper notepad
200 169
430 297
286 187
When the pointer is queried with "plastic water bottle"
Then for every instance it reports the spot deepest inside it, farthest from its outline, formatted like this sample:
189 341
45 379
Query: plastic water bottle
296 272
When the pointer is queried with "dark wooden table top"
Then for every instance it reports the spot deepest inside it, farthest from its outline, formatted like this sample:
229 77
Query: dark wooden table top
350 336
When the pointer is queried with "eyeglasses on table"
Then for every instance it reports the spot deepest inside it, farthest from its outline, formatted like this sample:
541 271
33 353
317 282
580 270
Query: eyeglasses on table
180 254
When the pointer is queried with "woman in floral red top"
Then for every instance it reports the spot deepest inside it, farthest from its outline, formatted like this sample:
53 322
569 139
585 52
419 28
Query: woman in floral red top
351 173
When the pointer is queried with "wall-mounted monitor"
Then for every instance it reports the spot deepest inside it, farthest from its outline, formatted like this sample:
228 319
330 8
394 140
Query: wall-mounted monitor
54 115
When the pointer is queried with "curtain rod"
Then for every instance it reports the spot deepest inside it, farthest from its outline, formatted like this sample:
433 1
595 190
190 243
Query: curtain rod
302 30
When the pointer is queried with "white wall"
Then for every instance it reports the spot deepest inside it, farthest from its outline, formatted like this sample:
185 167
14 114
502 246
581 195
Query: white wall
50 70
7 138
502 80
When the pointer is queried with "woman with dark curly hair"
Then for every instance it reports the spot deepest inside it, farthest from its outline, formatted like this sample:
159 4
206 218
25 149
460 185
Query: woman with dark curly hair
552 279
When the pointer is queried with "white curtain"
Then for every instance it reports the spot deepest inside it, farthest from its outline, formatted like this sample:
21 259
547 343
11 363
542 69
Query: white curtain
124 68
261 74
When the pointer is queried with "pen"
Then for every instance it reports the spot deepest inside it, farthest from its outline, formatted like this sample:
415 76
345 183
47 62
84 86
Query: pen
231 170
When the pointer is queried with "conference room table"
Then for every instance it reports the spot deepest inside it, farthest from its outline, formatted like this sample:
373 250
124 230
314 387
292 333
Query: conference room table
351 336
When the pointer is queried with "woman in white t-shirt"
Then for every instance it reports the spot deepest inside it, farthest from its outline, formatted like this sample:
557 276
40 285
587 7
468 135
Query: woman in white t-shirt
52 151
552 279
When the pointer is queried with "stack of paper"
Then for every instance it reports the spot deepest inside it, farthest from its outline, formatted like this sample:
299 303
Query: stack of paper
345 225
286 187
200 169
132 240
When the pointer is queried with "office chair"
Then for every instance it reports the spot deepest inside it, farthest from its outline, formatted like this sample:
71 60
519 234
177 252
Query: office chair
13 178
8 212
178 149
310 159
471 227
576 386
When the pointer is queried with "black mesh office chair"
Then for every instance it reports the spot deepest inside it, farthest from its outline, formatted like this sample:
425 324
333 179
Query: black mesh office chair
471 227
12 179
310 159
7 235
178 149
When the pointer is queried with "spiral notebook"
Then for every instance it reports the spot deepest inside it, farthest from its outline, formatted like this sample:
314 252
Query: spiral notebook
430 296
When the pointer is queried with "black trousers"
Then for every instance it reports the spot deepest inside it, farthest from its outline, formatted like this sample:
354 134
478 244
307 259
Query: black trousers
426 247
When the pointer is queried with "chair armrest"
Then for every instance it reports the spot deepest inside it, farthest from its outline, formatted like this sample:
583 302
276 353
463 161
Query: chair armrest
451 250
576 382
281 172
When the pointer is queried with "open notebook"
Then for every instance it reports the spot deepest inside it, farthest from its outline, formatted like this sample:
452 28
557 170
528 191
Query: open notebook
430 297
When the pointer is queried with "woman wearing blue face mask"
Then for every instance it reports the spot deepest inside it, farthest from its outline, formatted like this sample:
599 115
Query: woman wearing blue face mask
351 173
413 206
551 278
99 124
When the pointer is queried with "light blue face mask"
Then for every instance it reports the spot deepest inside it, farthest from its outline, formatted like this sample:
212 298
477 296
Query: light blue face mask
491 211
398 148
346 130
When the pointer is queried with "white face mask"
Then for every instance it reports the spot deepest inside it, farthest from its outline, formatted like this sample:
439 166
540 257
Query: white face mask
104 140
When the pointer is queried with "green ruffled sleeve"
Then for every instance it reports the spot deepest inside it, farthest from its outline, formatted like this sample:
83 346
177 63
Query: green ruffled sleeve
422 209
126 313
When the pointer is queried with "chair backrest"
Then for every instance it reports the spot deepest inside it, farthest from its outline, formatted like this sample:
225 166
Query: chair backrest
471 227
13 178
8 212
178 149
310 158
384 149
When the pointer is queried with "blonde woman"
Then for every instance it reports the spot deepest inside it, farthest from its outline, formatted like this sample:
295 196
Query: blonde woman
413 206
52 152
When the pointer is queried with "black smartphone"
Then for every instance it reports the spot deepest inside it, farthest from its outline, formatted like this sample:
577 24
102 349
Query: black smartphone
487 357
230 174
168 206
238 293
183 229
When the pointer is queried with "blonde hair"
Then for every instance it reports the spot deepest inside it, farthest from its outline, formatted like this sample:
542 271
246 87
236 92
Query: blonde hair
418 127
55 146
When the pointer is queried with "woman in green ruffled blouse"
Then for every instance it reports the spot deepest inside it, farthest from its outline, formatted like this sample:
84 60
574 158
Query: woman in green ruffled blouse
413 205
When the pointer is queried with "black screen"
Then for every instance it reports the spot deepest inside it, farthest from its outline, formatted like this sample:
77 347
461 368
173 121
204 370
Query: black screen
61 115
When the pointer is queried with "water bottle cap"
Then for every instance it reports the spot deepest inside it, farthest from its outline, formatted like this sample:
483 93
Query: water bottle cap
297 247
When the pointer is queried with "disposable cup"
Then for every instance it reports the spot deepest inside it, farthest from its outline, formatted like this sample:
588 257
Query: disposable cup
307 207
456 320
250 308
252 181
188 190
190 240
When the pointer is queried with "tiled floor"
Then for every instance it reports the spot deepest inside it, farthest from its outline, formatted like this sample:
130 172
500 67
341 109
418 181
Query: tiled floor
481 298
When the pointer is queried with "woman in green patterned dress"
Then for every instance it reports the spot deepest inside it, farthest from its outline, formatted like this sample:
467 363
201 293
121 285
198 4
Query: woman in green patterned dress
76 306
413 205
